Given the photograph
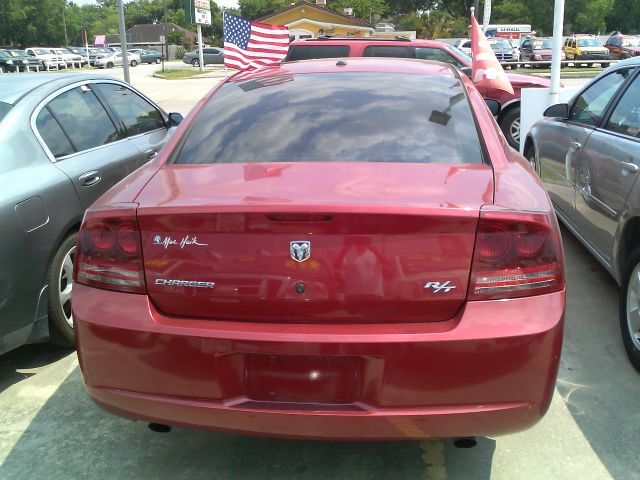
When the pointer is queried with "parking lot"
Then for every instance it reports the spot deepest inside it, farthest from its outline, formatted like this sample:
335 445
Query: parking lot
50 428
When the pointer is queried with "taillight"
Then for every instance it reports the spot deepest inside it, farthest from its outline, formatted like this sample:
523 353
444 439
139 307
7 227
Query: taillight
109 253
516 254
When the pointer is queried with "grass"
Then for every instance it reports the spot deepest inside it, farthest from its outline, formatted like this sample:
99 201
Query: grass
178 74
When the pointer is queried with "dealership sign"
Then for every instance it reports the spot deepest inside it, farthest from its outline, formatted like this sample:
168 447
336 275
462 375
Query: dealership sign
197 11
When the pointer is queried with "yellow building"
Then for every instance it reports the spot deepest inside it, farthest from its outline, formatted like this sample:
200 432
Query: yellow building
308 20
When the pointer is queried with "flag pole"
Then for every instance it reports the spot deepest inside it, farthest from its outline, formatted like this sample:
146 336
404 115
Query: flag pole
558 23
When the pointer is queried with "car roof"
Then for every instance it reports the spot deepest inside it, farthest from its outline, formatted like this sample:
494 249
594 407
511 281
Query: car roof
629 62
362 64
14 87
343 41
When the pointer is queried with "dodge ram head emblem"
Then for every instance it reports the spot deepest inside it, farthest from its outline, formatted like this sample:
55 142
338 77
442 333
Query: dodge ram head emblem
300 250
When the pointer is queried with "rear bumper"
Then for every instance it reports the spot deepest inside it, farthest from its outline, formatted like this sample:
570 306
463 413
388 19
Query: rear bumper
489 371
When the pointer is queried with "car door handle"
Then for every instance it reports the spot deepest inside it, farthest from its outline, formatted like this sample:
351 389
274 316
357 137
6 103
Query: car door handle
90 178
151 153
630 167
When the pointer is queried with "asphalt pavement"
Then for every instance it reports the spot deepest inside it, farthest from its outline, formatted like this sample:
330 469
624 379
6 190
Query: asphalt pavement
50 429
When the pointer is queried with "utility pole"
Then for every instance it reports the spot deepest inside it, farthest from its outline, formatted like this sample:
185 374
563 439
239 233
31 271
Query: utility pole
165 47
123 42
64 24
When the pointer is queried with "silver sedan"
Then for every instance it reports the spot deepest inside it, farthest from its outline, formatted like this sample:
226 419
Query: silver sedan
210 56
65 140
587 153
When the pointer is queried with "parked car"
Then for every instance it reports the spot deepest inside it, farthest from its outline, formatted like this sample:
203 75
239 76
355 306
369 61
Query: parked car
10 64
623 46
210 55
504 51
538 50
464 45
61 149
509 117
70 58
586 47
82 52
97 53
147 56
48 59
332 277
116 60
587 153
27 60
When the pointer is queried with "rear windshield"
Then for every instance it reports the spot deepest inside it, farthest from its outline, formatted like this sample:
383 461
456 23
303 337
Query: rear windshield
335 117
309 52
4 109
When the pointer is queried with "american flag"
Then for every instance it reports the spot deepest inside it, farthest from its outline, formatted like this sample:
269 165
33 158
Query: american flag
249 45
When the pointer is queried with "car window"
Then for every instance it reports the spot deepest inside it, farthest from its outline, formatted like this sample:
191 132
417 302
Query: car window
83 119
377 117
137 114
467 44
590 105
438 54
625 118
53 136
589 42
4 109
386 51
309 52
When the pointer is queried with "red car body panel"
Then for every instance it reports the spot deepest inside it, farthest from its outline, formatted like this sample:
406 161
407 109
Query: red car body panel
397 368
476 374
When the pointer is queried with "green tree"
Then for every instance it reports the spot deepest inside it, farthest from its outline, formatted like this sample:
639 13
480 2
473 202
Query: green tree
253 9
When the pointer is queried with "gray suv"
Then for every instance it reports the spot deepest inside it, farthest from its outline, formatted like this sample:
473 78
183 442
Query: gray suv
587 153
65 140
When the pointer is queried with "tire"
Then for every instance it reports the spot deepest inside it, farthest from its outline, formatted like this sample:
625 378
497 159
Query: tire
604 64
195 62
109 64
158 60
134 63
629 309
530 155
60 279
510 126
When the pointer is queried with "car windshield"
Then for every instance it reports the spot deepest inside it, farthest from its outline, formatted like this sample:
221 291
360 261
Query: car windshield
499 43
589 42
4 109
18 53
4 54
543 44
631 42
373 117
41 51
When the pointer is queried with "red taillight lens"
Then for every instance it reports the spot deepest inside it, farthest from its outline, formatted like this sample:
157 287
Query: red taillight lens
516 254
109 253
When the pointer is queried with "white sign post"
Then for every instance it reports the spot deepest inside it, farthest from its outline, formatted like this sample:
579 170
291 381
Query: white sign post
487 15
202 15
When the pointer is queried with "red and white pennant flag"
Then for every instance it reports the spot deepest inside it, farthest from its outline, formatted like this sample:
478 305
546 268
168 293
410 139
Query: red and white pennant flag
486 70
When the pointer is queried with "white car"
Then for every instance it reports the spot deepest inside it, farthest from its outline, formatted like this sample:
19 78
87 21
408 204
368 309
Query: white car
464 45
71 59
48 58
115 59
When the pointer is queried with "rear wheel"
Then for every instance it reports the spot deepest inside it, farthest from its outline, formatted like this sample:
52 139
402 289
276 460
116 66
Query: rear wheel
510 125
630 309
134 63
60 287
604 64
109 64
195 62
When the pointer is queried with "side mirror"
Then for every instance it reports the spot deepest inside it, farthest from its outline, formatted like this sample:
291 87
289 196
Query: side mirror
466 71
559 110
175 119
494 106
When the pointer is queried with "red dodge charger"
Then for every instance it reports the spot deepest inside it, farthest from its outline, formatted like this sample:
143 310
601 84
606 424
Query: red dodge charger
333 249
